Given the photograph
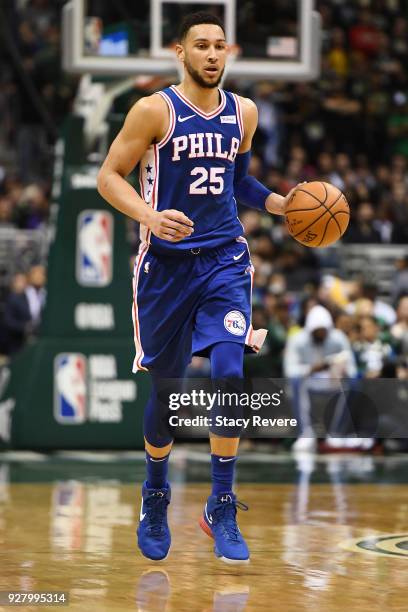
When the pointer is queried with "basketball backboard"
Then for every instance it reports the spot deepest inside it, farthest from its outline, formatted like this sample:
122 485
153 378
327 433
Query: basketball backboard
277 39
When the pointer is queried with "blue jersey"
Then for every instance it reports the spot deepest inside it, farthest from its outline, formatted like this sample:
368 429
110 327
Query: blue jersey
192 170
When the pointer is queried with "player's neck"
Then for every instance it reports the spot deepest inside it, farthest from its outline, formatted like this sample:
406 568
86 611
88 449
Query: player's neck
205 99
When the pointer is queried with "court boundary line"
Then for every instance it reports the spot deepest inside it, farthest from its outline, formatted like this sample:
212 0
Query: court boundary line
8 456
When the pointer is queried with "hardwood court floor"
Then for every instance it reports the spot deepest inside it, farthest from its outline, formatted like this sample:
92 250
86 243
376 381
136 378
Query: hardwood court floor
77 536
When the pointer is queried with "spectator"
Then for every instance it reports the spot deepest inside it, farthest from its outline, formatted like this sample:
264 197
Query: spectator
6 216
398 123
370 349
364 301
17 316
269 124
345 323
362 230
342 113
35 293
400 280
364 35
313 358
337 56
399 212
382 224
399 331
298 267
32 209
383 312
278 329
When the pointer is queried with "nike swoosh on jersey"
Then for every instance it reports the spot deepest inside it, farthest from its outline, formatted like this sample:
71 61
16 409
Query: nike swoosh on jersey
181 119
225 460
236 257
157 460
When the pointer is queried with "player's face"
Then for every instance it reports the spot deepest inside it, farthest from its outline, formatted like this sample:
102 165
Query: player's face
205 52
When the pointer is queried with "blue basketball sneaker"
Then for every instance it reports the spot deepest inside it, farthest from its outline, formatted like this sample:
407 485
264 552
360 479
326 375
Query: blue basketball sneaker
153 534
219 522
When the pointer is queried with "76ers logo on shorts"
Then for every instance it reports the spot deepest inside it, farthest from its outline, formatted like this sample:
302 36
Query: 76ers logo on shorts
235 323
70 388
94 248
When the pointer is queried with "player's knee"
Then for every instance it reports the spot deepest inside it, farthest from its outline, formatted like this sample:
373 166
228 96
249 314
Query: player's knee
157 435
157 431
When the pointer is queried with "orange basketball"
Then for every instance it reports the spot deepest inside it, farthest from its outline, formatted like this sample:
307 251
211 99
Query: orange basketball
317 214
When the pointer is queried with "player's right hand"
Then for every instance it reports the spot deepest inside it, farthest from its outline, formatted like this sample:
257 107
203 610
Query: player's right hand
171 225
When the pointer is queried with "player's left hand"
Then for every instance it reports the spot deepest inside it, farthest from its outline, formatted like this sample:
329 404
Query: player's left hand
277 204
288 197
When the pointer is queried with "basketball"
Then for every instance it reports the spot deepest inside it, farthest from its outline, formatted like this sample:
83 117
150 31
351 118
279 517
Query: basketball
317 214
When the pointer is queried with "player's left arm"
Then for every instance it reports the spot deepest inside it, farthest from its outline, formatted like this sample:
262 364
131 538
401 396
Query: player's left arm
246 187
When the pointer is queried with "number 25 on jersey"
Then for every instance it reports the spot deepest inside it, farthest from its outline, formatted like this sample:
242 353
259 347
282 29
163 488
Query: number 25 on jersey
207 181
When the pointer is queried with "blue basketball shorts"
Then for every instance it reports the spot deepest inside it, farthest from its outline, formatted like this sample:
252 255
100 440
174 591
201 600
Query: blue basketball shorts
183 304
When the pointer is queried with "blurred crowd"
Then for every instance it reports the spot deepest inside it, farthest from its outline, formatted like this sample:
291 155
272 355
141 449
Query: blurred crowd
21 314
350 126
289 282
35 95
23 206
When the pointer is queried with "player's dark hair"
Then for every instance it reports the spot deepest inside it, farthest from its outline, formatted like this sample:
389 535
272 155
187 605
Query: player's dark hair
193 19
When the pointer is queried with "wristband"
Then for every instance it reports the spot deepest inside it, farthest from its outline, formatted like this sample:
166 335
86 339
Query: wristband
247 188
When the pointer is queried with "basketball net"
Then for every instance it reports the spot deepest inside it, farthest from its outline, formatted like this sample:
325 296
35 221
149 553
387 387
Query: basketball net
234 51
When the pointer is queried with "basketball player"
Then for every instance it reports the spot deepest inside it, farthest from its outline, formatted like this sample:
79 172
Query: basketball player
193 274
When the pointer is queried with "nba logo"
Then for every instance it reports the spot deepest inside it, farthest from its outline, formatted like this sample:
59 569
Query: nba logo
94 248
70 388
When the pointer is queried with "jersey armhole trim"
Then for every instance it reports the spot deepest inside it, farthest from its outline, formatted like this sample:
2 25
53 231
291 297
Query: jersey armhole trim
239 115
172 122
